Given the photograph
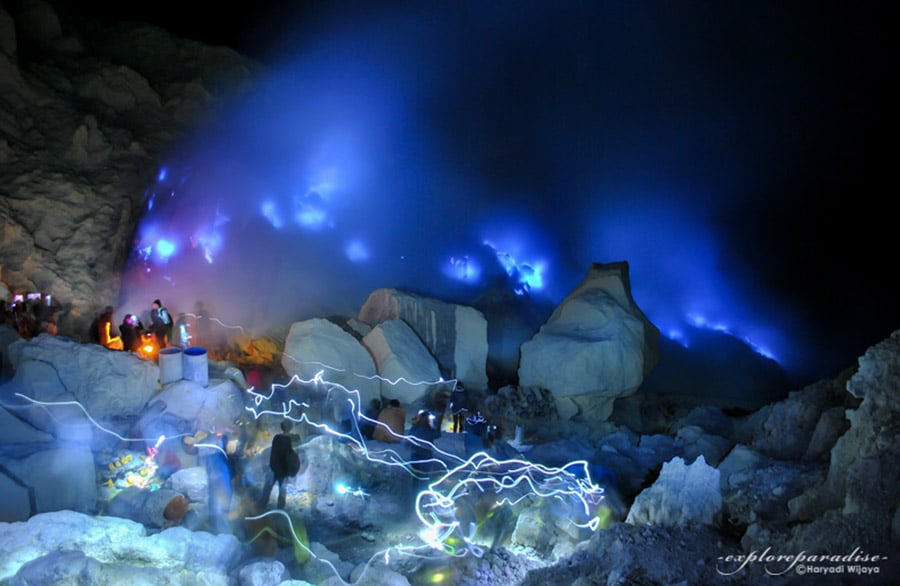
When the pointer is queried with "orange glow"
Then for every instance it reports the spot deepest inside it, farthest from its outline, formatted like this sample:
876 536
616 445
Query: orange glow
113 343
148 349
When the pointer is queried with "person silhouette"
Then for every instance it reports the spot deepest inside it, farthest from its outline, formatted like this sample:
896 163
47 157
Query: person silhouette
283 463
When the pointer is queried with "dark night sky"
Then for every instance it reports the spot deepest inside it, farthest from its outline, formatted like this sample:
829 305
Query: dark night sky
744 147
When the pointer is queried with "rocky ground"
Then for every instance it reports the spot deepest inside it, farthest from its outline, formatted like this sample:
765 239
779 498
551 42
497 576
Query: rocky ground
801 491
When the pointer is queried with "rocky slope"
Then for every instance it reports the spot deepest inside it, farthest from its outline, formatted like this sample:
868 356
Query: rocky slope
86 112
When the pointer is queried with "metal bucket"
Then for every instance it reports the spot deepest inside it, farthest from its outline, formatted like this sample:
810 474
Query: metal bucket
196 365
171 368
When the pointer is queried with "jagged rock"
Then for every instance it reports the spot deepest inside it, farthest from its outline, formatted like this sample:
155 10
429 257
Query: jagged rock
755 489
456 335
832 425
595 347
682 496
401 358
855 505
787 427
108 115
319 345
713 448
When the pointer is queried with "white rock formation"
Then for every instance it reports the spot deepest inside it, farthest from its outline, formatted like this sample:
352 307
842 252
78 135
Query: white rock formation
596 346
402 359
214 407
318 345
75 547
456 335
107 383
683 496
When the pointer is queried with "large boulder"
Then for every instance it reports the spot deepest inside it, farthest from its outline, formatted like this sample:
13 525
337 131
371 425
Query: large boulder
318 345
595 347
402 361
216 407
78 385
456 335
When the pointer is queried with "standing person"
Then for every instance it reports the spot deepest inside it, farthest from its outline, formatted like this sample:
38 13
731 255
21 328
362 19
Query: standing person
160 323
283 462
459 407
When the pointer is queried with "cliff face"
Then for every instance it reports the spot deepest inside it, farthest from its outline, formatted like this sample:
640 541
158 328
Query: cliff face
86 113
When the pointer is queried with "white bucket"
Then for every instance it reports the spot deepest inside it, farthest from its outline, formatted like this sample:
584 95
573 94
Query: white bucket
196 365
170 365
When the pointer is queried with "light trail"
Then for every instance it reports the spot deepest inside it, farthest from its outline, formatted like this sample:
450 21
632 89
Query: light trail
456 487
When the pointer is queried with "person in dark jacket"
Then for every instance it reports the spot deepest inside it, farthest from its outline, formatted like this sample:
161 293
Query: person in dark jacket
160 324
279 464
131 331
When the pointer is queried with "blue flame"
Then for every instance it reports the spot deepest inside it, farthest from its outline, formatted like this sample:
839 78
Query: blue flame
269 211
165 249
354 151
527 276
357 251
463 268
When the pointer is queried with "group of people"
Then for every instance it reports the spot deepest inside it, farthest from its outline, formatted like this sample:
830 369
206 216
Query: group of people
221 456
385 423
132 330
388 424
29 317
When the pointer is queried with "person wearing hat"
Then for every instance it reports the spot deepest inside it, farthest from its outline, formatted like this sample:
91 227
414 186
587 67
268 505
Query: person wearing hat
160 323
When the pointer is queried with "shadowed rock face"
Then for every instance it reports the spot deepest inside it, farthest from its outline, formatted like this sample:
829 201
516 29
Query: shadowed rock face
85 113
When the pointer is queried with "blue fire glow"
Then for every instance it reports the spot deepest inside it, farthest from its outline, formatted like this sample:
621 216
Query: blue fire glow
165 249
349 170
